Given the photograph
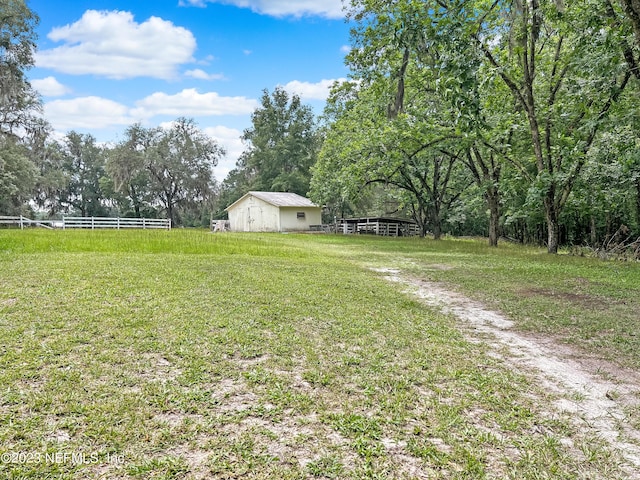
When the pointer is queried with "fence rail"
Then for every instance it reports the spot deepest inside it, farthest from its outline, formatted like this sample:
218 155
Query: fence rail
115 222
89 222
26 222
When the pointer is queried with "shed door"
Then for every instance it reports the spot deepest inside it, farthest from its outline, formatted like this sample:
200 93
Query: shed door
251 218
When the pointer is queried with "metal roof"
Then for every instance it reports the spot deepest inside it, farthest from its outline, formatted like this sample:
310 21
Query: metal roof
279 199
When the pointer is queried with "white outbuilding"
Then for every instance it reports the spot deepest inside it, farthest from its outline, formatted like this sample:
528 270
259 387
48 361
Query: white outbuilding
273 212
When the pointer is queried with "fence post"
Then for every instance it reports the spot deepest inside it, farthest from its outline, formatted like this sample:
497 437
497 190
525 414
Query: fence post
63 222
118 223
92 227
169 224
21 224
144 224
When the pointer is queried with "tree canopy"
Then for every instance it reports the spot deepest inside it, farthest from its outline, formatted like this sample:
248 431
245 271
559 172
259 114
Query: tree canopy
281 146
516 92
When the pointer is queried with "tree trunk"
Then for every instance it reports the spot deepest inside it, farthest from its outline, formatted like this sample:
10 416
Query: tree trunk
553 228
638 201
493 202
170 213
437 224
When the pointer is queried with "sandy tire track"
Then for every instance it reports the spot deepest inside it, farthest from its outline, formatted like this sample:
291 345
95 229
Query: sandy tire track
595 402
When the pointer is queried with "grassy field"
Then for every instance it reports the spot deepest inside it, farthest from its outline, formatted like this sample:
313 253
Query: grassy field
184 354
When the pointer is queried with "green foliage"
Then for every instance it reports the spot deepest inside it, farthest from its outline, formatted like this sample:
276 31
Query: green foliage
129 179
523 90
17 177
83 166
282 145
180 162
19 106
17 46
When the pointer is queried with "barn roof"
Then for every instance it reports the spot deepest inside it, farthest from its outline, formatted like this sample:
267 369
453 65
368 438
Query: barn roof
278 199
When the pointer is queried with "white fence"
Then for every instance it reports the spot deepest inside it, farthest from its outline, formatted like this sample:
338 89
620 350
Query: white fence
116 222
89 222
26 222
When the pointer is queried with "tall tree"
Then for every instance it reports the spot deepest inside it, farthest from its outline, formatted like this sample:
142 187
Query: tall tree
83 165
282 145
18 104
563 75
364 147
17 177
126 167
180 161
563 66
17 47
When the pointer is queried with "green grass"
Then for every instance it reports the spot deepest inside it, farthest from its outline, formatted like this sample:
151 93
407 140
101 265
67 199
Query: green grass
184 354
591 304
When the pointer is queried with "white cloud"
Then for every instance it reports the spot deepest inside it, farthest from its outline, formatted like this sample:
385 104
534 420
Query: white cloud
97 113
49 87
345 48
86 112
199 74
282 8
113 45
190 103
311 91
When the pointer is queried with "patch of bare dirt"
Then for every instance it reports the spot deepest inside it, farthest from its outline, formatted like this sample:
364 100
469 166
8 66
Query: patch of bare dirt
594 392
196 459
582 299
8 302
155 368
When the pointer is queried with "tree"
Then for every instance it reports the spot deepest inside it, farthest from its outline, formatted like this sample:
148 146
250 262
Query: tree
180 162
399 49
282 145
17 46
83 166
17 177
563 75
563 65
18 102
126 168
365 147
52 180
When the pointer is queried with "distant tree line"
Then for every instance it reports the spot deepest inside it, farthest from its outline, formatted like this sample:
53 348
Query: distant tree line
514 119
151 172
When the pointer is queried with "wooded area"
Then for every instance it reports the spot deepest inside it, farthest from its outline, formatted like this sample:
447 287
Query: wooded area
514 119
517 118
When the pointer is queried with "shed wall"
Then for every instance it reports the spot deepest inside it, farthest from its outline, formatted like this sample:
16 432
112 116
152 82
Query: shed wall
289 221
254 215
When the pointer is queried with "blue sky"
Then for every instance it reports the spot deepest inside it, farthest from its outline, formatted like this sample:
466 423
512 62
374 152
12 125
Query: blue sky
103 65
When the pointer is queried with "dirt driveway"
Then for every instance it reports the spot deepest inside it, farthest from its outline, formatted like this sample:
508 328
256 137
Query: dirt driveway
596 394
